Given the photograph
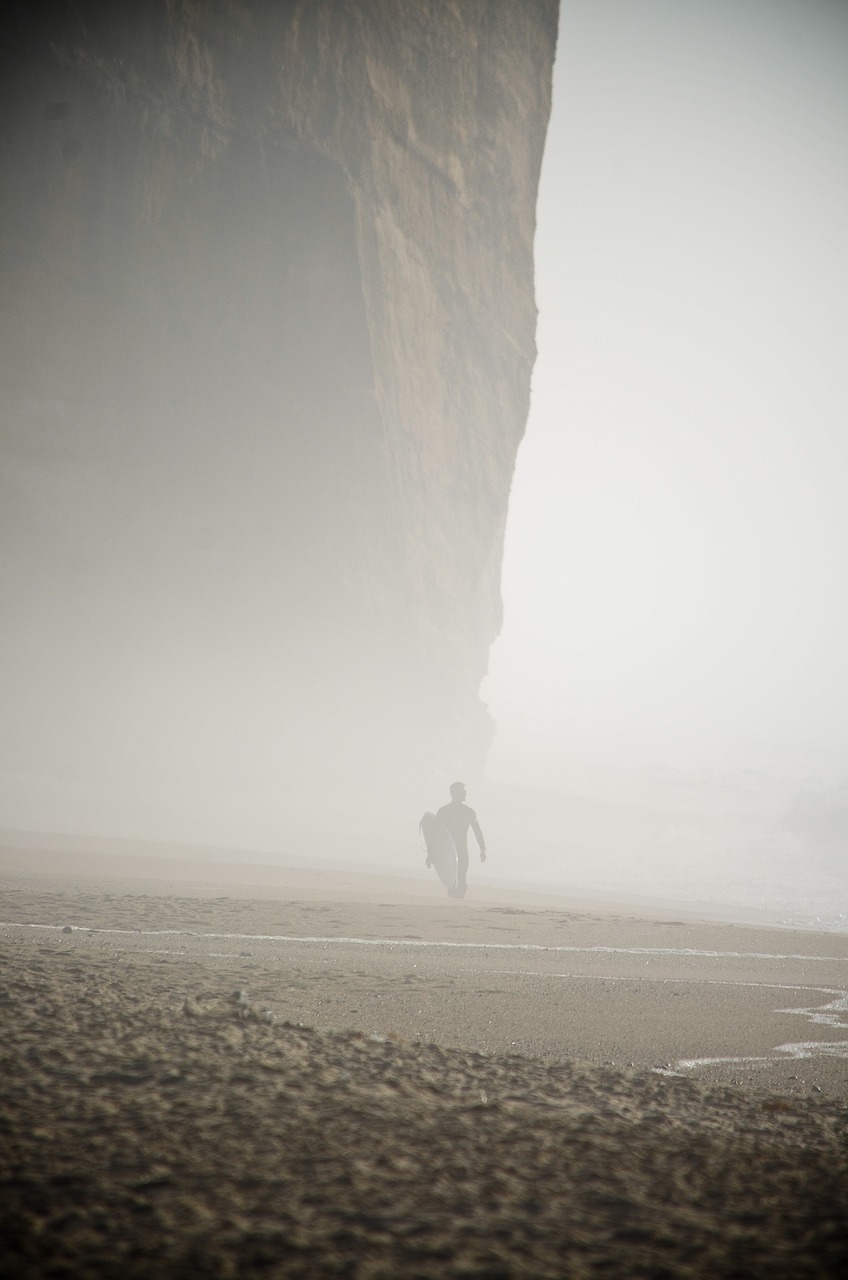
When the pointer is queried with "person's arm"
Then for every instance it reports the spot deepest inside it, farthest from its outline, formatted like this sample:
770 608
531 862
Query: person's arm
475 827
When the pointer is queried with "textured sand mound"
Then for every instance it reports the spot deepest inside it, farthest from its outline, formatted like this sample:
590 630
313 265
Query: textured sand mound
156 1123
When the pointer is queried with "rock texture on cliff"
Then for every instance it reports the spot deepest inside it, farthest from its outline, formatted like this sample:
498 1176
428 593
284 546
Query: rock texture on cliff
268 331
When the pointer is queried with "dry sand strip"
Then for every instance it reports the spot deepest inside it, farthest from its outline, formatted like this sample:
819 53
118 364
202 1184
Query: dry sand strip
156 1122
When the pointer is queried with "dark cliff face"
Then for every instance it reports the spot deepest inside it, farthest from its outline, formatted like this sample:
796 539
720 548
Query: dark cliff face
268 330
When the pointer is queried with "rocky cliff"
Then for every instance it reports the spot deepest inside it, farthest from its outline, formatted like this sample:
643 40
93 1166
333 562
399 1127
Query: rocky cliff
268 330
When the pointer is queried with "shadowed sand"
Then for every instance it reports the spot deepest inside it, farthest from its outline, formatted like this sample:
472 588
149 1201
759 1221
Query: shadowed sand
222 1070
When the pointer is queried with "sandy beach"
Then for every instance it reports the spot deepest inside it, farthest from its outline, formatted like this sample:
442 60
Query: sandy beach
213 1069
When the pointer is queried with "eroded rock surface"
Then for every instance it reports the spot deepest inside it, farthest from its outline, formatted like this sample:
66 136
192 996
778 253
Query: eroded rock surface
268 331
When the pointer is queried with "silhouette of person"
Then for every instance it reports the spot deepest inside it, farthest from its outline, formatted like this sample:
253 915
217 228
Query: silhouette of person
458 817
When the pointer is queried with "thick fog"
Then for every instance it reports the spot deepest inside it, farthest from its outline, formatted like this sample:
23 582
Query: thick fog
677 549
207 613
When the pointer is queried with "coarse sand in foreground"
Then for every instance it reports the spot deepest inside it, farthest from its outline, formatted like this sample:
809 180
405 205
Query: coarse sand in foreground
243 1072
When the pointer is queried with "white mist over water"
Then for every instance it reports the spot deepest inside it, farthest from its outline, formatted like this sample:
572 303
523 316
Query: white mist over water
677 551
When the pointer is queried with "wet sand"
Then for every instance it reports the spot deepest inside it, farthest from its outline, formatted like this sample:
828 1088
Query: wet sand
216 1070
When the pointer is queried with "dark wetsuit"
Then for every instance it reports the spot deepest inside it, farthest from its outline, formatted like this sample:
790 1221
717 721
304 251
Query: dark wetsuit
458 817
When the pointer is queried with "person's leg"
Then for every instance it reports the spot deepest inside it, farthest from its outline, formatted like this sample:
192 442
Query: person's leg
461 871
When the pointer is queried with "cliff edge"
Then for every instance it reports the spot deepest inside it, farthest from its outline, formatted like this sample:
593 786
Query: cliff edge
268 331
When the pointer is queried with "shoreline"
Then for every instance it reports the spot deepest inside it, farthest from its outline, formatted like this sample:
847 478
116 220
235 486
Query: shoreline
203 871
758 1004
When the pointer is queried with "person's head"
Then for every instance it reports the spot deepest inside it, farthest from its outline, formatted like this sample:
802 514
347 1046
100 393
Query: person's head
458 791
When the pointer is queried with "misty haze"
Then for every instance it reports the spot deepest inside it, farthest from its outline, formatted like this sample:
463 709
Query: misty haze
257 457
672 657
423 773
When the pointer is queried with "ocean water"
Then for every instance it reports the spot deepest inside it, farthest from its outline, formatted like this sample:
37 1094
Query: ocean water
747 847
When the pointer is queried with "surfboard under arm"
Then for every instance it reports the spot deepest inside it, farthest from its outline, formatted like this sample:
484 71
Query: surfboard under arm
441 851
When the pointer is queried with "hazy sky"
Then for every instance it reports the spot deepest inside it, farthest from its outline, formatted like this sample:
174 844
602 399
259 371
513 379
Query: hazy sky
677 552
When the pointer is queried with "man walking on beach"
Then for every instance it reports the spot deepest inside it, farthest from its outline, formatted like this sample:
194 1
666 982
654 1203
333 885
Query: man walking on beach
458 817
